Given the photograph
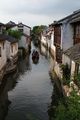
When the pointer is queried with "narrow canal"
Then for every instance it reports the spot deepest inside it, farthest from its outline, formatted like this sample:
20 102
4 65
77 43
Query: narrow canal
26 94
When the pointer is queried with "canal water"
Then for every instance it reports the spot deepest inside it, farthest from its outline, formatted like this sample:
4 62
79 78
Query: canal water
26 93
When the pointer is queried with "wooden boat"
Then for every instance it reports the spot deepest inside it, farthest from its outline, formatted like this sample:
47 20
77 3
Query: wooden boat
35 56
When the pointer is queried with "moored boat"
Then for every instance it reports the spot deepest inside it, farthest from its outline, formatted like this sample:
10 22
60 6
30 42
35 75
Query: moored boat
35 55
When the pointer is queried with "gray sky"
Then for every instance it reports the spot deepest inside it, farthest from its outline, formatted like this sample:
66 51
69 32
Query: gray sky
36 12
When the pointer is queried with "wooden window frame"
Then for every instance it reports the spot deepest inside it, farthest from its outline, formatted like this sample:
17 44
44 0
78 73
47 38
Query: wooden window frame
57 35
76 33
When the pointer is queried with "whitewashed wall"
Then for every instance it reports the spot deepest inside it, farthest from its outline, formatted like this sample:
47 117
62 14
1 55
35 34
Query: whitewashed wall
8 49
72 69
52 40
66 40
22 42
66 36
9 52
14 28
48 42
26 30
3 58
43 50
15 49
43 40
66 59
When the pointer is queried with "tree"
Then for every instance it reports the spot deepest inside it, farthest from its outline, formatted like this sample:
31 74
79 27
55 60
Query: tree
15 33
36 33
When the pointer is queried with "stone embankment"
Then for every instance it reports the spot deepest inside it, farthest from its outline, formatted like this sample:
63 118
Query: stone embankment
66 90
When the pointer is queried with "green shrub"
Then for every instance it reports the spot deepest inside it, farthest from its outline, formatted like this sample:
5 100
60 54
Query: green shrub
72 109
77 79
15 33
66 73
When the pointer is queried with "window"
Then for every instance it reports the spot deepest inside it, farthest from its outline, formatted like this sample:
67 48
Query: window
57 35
77 33
0 51
77 30
21 30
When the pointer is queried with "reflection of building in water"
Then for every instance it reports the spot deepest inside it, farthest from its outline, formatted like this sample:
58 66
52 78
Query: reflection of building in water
8 83
51 63
24 64
4 102
44 51
56 97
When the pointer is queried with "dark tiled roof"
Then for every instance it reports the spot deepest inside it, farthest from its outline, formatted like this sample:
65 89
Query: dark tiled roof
70 18
10 24
8 38
74 53
1 24
76 19
22 25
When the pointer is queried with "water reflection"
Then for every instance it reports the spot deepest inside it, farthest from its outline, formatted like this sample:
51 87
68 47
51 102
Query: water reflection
24 65
35 61
35 56
56 97
44 52
57 94
8 83
31 96
4 103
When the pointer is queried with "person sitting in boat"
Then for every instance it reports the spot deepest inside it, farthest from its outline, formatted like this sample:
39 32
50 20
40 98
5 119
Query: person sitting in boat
33 52
35 55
